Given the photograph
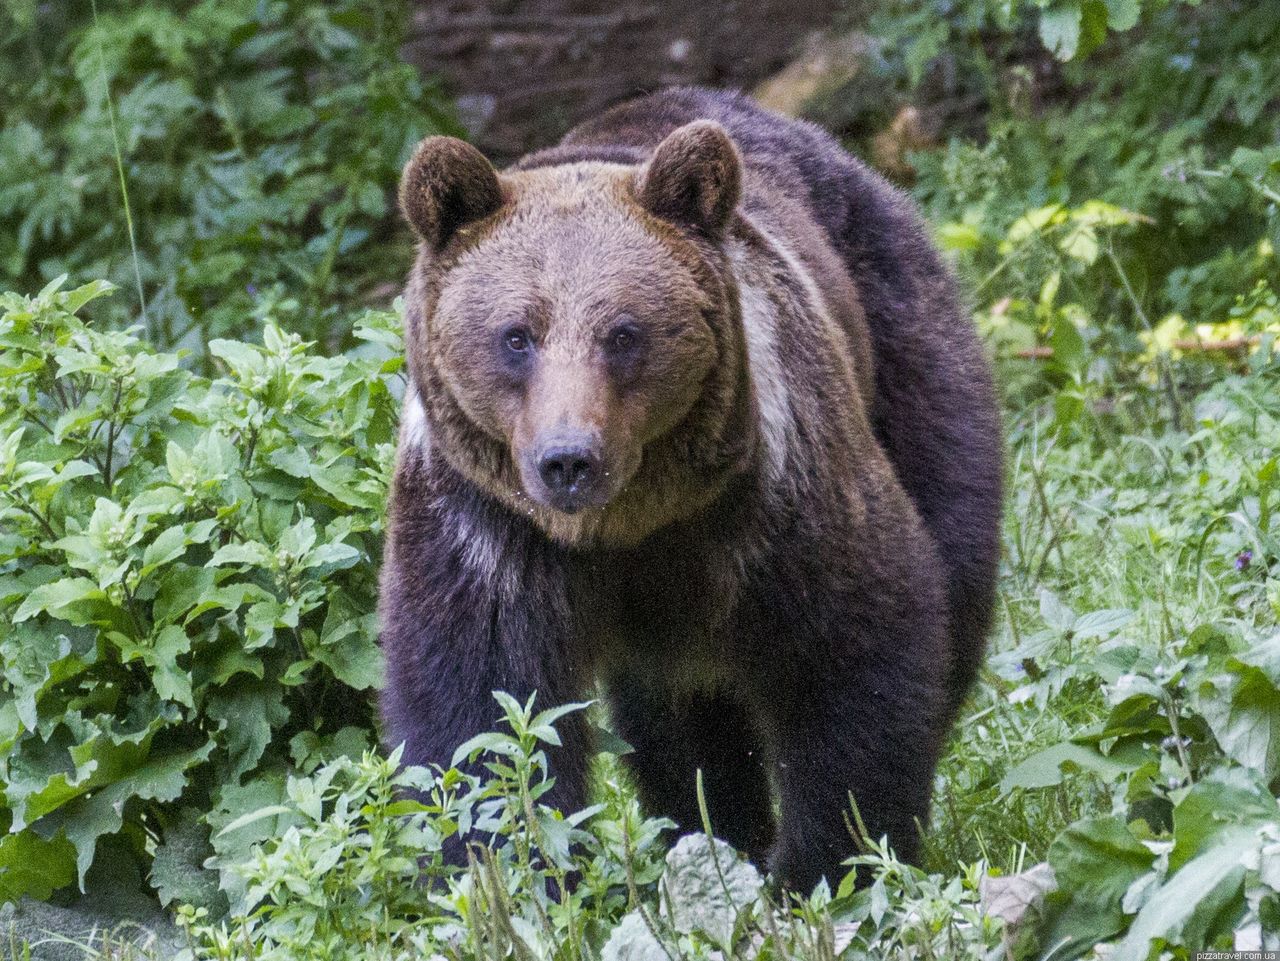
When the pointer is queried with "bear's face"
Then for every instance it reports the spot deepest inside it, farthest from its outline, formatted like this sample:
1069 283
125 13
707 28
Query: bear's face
571 319
573 334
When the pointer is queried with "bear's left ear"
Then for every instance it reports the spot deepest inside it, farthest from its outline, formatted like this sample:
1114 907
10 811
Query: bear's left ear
694 178
446 185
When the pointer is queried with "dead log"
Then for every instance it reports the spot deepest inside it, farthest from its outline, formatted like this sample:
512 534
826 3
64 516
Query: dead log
524 71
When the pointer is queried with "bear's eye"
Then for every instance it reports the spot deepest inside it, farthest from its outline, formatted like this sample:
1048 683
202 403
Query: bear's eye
624 337
517 340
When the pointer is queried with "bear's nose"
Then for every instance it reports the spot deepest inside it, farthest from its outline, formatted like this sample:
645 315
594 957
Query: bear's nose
570 473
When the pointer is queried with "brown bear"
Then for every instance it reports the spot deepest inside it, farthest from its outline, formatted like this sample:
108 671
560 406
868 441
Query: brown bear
695 416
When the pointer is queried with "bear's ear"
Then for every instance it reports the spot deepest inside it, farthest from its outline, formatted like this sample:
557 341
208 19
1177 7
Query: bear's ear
694 178
447 184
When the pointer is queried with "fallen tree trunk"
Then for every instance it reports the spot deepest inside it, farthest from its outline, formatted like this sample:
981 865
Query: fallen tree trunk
524 71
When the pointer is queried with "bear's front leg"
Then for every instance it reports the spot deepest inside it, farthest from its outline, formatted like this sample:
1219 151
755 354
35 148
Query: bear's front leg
465 612
856 703
678 733
866 731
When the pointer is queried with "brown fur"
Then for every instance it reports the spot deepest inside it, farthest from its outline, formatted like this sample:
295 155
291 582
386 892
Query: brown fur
766 596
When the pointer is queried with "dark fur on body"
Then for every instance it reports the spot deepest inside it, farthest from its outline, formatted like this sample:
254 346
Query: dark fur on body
794 586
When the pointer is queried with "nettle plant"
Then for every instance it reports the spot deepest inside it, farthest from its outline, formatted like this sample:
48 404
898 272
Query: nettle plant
187 580
352 865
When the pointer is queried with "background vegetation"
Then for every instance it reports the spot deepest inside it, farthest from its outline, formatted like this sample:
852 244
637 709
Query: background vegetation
193 470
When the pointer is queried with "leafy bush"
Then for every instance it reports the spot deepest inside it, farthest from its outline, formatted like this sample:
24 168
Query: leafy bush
1135 680
258 144
186 583
1172 118
918 33
187 562
336 879
1117 226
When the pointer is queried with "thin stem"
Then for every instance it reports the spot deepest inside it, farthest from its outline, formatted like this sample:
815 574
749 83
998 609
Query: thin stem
1166 373
111 432
30 509
124 186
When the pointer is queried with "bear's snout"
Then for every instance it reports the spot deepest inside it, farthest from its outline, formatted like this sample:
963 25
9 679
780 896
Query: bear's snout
571 472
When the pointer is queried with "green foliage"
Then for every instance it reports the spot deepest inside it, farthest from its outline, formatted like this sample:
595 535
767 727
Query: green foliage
353 870
186 581
1136 682
1173 120
353 867
187 562
259 145
1117 229
916 34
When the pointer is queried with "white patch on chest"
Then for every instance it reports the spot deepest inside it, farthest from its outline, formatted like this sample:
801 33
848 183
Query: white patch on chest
760 318
415 432
481 551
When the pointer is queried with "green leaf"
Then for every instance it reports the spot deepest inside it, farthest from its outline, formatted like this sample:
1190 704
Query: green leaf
553 714
1055 613
253 817
168 545
297 541
1100 857
294 461
1069 353
1243 711
159 778
247 713
1093 27
355 659
55 598
241 358
233 845
958 236
1123 14
1047 768
708 886
1081 243
250 552
72 300
332 557
39 658
1060 30
1194 904
34 867
491 742
1102 623
1265 657
171 681
1095 863
1221 802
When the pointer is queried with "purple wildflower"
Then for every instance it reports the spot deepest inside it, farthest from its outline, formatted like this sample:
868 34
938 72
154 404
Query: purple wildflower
1244 559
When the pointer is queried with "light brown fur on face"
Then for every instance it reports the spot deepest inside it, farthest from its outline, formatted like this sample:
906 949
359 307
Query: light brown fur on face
570 255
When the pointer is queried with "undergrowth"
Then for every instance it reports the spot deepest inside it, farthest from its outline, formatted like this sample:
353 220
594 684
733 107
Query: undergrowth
191 497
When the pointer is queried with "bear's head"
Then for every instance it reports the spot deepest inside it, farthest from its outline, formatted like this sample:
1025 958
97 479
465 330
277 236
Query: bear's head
573 332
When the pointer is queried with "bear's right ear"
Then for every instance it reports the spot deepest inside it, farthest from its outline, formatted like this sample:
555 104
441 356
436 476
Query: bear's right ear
446 185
